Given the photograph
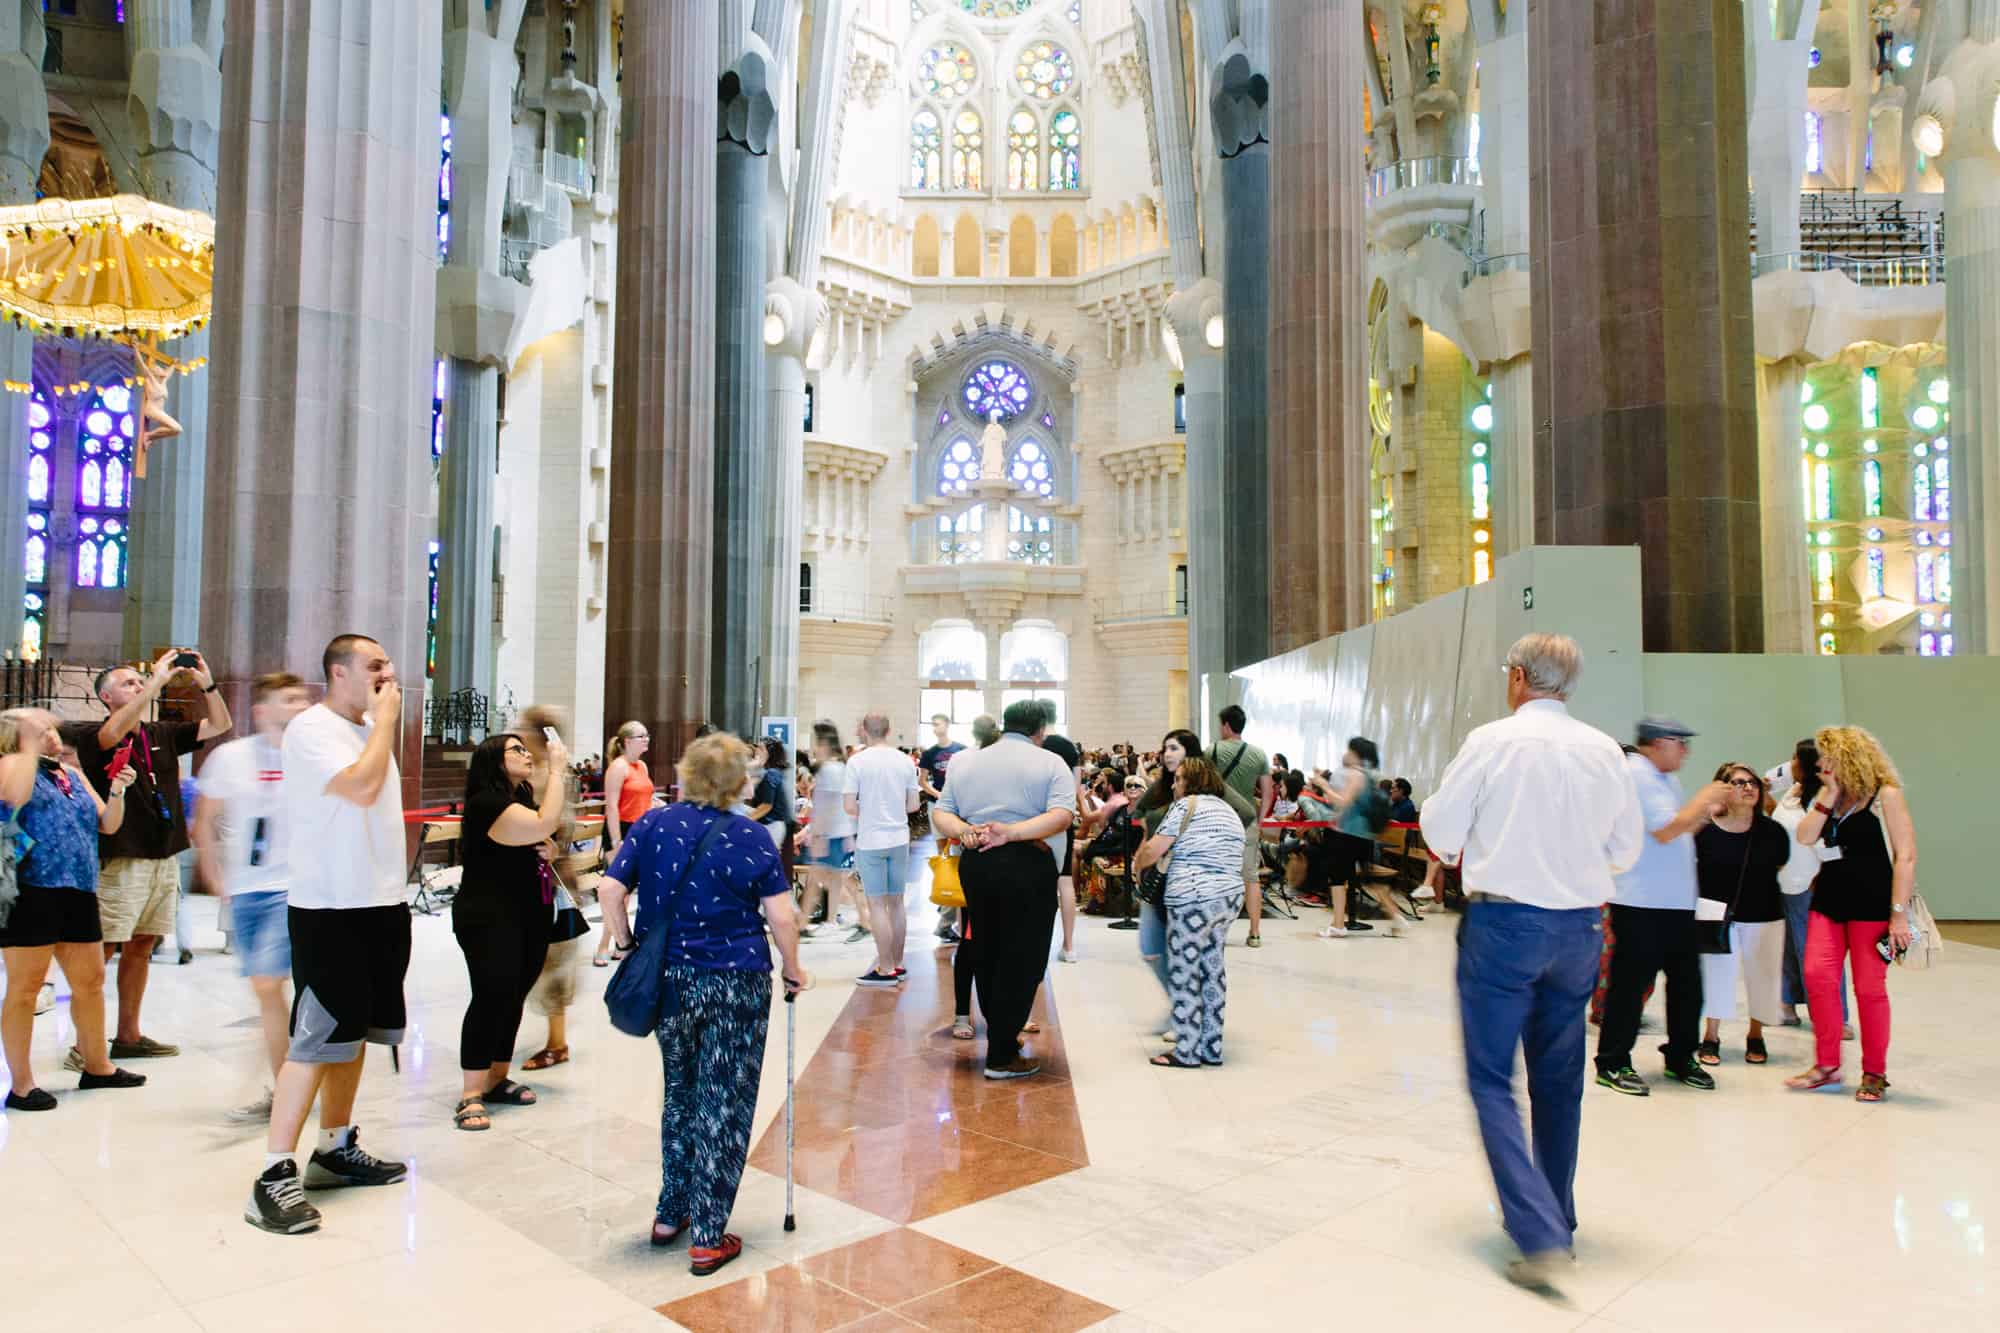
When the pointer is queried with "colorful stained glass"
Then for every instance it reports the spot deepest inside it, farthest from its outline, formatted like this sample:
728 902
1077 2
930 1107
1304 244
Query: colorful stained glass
1482 491
1823 576
1024 140
1871 399
947 71
1926 576
958 468
1877 572
1941 489
37 562
431 628
86 564
1065 151
90 484
959 539
1076 12
1482 566
1822 492
1030 469
968 151
997 386
1828 645
1871 487
1920 493
926 151
38 477
1030 537
1045 71
1944 576
996 9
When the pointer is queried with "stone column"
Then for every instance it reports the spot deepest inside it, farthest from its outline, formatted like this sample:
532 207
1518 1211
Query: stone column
319 492
742 490
1788 624
1780 62
1512 477
662 527
1504 135
1238 104
1318 389
24 140
465 528
1645 391
174 99
1972 319
163 598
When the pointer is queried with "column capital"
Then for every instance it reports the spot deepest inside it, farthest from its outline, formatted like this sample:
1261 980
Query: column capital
1240 104
748 117
793 314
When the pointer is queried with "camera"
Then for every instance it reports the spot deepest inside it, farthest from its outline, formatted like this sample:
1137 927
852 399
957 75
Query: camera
187 658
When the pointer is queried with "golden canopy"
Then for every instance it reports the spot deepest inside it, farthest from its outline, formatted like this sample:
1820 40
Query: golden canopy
124 267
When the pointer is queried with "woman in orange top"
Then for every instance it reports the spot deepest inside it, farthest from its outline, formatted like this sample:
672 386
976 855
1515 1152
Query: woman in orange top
628 794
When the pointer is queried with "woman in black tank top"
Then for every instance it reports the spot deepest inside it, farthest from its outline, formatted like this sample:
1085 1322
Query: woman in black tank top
1860 827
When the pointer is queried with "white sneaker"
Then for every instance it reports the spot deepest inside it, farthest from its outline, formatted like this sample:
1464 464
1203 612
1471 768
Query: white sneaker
45 999
1333 932
255 1113
1066 955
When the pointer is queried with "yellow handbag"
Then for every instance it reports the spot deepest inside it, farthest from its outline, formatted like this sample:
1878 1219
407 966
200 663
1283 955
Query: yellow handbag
946 891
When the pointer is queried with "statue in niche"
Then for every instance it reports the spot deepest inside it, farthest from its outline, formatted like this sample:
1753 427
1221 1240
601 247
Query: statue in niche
993 449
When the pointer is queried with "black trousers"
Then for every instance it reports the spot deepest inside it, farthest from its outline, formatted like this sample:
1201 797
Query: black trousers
502 958
1651 940
962 960
1012 893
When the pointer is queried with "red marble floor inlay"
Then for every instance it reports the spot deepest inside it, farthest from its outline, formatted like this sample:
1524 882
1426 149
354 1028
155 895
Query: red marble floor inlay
896 1117
899 1280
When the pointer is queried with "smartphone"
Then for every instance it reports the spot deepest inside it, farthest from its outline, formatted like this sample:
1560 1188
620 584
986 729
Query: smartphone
120 757
186 659
1887 949
549 735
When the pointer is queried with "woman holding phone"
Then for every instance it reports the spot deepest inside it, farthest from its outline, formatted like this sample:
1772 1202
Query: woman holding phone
1861 898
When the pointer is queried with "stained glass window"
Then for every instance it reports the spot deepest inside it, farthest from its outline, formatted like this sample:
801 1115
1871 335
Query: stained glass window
959 539
437 410
1927 645
41 490
1076 12
1045 71
1815 149
968 152
1823 576
1877 572
1030 469
444 186
947 71
41 448
1944 576
1065 151
431 626
1030 537
1822 492
103 486
1920 493
996 9
996 386
1024 139
1941 489
1871 399
958 468
926 151
1926 577
1871 487
1828 645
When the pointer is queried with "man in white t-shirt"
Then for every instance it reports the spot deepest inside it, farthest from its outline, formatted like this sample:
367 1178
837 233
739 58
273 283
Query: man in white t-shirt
239 834
350 928
881 796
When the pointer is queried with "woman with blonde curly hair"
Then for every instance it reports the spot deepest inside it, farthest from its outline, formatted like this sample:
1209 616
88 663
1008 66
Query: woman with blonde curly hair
1861 897
712 880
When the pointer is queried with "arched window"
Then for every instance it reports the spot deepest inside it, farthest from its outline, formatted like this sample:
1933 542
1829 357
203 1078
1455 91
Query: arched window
805 588
968 151
103 487
1024 142
1044 71
926 151
947 71
996 9
1062 247
41 492
1065 150
925 244
1030 537
997 386
958 467
960 540
1032 470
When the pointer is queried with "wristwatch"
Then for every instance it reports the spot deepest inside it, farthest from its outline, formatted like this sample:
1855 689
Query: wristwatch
211 689
1823 809
1898 907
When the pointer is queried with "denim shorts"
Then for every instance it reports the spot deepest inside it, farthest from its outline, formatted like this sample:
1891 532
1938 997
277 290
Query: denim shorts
837 854
884 870
263 936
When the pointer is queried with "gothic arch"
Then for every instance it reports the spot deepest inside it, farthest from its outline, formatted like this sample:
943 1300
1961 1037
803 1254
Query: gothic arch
1022 244
967 246
1062 247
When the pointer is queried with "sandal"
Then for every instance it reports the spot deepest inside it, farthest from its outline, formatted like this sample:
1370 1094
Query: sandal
1754 1052
1031 1028
547 1058
1709 1052
1873 1088
962 1029
705 1259
664 1235
469 1110
1254 942
1168 1060
509 1093
1817 1077
600 960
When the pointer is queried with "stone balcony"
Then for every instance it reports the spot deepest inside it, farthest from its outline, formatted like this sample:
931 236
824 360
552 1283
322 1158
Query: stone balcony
1411 197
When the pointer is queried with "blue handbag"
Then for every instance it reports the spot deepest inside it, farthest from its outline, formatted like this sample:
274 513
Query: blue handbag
639 995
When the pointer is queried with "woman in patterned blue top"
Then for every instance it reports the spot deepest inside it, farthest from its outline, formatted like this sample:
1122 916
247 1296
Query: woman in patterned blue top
55 915
1204 836
714 900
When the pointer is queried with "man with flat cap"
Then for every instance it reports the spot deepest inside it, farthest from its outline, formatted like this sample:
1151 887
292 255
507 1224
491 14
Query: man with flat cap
1652 916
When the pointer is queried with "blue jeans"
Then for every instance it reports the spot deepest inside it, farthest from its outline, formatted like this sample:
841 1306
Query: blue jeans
1524 977
1153 943
1798 910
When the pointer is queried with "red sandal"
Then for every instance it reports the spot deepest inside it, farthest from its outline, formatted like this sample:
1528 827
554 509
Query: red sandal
705 1259
548 1058
1813 1079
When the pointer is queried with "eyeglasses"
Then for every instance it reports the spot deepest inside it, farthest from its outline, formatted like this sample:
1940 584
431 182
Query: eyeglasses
514 749
1509 668
1747 784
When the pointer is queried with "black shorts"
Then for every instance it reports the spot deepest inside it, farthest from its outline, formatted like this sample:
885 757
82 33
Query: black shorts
347 973
42 917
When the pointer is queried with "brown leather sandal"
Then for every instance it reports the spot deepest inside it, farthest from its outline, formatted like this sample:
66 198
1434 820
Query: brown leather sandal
1874 1088
547 1058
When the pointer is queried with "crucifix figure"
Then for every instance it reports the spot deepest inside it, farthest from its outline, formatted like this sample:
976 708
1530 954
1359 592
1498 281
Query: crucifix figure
154 423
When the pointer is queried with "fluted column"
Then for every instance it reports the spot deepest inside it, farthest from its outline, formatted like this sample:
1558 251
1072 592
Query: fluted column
1645 387
174 99
1788 625
1238 105
24 139
163 598
1504 126
662 529
1319 331
1780 62
318 509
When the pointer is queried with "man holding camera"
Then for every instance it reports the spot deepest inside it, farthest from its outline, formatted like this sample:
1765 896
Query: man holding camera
139 879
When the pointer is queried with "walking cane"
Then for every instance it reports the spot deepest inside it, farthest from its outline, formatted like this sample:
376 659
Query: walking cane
791 1046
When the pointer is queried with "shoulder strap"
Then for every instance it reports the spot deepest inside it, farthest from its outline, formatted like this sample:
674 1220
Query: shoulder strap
708 837
1241 746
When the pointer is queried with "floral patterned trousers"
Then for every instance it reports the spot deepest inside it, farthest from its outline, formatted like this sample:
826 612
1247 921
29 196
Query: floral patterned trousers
712 1054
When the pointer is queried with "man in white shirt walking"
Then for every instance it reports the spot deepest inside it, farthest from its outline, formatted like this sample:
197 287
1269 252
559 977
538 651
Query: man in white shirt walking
1540 812
239 834
881 796
350 928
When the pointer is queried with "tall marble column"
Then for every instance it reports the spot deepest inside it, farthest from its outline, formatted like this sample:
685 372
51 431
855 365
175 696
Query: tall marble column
24 140
1780 61
1645 390
662 528
1238 106
1972 317
163 597
1788 625
1318 390
742 492
319 490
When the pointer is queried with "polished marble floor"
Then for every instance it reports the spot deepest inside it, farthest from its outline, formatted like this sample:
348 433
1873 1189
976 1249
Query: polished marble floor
1328 1175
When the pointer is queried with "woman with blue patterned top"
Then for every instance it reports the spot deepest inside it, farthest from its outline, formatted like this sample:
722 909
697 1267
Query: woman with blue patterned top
713 880
1204 836
55 915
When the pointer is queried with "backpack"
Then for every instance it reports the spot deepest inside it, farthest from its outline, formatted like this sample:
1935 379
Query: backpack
1373 806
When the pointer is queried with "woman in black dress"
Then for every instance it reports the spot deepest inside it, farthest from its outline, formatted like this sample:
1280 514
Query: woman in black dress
502 914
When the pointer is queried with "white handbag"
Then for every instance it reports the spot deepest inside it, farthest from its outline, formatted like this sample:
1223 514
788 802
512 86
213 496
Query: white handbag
1926 944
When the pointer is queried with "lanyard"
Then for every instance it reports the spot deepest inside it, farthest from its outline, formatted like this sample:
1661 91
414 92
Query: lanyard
57 776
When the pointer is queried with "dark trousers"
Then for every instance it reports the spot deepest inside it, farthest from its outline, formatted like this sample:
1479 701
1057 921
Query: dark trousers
1012 893
1524 976
711 1059
963 959
1651 940
502 959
